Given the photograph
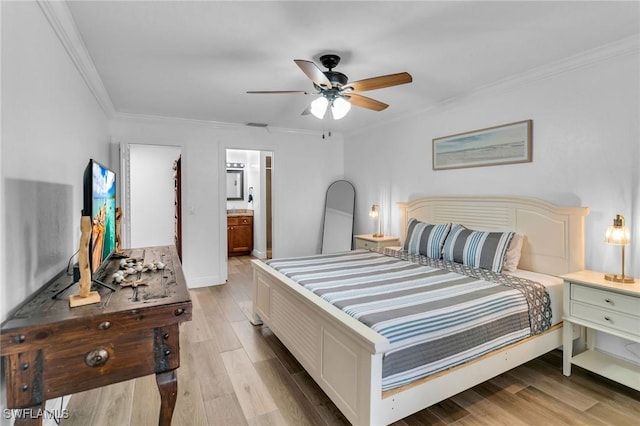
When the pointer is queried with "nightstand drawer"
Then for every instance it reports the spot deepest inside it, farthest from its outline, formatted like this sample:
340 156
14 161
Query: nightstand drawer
606 317
606 299
363 244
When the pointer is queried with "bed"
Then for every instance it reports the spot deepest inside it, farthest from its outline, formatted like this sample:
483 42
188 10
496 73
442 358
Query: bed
345 356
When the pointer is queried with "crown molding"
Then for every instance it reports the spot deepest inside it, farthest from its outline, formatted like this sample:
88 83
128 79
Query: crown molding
163 119
61 20
623 47
63 24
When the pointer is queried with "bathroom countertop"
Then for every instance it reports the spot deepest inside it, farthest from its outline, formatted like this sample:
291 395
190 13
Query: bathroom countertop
239 212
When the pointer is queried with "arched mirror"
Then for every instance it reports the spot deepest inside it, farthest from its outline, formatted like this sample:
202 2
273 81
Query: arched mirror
337 233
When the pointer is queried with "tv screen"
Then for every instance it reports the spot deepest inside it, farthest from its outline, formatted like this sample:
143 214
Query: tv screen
100 205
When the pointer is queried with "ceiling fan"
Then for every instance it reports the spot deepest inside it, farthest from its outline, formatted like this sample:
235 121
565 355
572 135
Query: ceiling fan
335 90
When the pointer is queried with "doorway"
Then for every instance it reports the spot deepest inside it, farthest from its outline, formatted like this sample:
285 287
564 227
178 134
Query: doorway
150 204
253 199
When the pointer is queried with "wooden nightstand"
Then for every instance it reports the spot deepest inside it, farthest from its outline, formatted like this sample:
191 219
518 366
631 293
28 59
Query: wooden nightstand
596 304
368 241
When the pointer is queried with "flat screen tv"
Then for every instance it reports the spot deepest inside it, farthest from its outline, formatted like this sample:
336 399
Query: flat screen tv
100 204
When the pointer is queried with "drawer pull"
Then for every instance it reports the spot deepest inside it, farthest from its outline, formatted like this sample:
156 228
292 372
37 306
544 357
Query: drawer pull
178 312
105 325
167 352
24 366
165 336
96 358
607 318
24 388
19 338
608 300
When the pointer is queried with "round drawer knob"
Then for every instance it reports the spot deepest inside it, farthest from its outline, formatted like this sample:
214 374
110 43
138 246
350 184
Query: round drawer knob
19 338
96 358
105 325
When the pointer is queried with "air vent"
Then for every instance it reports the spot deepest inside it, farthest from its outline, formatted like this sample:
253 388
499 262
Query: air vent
257 124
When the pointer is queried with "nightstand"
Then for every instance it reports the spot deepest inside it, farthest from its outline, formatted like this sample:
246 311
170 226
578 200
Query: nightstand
596 304
368 241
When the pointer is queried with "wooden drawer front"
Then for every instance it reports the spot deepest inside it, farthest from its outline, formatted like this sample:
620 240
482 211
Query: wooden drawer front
606 317
102 327
364 244
239 220
66 368
606 299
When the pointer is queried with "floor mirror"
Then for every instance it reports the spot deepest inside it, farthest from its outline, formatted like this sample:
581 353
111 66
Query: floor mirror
337 233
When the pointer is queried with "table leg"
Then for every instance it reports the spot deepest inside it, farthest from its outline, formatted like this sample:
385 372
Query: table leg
168 387
30 416
567 348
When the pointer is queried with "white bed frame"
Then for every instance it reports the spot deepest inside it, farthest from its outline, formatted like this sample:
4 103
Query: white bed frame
345 357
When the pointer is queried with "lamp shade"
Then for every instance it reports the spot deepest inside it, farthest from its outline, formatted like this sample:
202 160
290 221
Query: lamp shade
373 213
617 233
319 107
339 108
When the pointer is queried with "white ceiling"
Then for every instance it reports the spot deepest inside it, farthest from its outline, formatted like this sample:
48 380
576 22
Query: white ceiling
196 60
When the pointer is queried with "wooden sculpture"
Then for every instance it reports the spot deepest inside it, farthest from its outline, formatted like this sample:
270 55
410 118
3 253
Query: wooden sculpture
85 296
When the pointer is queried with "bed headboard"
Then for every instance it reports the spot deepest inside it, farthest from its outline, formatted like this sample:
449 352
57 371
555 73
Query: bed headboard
553 235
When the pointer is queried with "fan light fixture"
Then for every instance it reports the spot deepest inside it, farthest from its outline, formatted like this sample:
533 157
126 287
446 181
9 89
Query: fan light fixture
339 107
618 234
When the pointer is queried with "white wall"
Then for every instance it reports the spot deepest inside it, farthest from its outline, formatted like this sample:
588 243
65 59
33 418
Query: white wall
586 138
586 152
304 166
51 126
152 194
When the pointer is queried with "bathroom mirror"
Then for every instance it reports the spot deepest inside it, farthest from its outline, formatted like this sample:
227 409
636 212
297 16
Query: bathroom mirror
235 184
337 232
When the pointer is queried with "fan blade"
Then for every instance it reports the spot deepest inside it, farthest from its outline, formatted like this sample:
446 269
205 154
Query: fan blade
380 82
314 73
263 92
365 102
307 110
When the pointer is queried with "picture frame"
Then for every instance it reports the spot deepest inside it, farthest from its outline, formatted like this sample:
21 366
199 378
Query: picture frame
504 144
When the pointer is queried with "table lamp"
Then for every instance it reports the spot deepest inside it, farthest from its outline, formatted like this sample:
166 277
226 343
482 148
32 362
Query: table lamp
374 213
618 234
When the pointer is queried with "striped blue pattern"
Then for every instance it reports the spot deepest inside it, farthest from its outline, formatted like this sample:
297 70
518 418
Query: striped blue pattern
433 318
479 249
426 239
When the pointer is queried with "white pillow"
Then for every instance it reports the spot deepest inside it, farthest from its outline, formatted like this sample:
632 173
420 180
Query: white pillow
512 256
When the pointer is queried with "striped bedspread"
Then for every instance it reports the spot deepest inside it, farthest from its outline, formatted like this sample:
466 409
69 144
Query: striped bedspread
433 318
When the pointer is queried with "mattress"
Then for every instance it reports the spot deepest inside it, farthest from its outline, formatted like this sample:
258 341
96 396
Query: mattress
553 286
432 317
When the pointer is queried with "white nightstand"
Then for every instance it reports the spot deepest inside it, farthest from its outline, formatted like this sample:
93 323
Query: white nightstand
368 241
592 302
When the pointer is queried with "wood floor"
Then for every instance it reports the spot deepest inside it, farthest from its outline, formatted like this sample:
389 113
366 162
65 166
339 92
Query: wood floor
233 373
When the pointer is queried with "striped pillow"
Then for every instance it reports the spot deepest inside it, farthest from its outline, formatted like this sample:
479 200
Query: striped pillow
426 239
480 249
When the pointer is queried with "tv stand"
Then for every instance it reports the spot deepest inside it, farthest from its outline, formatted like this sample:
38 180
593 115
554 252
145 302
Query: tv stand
103 284
100 283
51 350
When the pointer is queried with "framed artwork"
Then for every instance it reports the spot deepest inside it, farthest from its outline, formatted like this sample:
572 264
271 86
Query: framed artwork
505 144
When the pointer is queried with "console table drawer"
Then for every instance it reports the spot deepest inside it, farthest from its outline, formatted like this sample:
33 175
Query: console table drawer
605 317
606 299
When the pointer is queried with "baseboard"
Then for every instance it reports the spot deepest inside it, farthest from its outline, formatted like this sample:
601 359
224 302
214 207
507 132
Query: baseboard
204 281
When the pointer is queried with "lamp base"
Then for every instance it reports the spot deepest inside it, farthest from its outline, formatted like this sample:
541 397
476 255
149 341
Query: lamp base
619 278
377 235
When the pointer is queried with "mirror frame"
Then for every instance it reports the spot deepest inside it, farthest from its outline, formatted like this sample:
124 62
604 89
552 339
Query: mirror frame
324 219
239 195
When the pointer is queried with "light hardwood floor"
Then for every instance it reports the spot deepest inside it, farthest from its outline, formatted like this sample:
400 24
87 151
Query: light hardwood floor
233 373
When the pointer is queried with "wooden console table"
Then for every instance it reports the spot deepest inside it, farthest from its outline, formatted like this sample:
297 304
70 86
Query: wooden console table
50 350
